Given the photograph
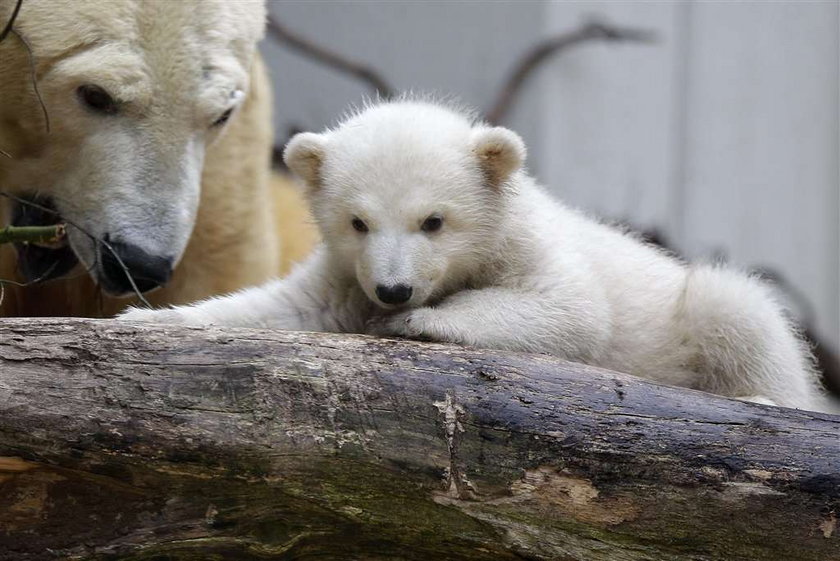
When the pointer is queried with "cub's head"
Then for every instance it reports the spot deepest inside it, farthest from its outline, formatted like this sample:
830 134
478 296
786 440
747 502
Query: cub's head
408 196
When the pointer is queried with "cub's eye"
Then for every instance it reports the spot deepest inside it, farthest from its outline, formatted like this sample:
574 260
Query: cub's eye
432 223
359 225
97 99
224 118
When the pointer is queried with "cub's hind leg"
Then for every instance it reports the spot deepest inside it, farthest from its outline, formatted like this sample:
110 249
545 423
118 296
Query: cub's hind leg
746 347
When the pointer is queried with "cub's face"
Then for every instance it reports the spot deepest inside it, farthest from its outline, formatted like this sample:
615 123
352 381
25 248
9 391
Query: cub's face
411 214
406 233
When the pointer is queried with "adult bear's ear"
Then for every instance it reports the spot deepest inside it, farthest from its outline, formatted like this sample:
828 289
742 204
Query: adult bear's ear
304 155
500 152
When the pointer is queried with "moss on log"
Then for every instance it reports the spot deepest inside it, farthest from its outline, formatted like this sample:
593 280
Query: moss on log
125 442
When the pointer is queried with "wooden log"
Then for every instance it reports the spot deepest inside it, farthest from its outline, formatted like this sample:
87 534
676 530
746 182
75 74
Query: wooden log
122 441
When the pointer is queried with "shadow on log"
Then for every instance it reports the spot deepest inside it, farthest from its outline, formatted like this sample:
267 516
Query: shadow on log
128 442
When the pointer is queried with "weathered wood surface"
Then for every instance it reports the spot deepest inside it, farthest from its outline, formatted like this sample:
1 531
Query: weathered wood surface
128 442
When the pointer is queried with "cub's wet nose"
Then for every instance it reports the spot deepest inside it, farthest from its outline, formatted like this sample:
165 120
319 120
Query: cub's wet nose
396 294
148 271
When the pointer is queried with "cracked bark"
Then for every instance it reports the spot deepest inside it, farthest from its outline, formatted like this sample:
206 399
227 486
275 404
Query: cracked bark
129 442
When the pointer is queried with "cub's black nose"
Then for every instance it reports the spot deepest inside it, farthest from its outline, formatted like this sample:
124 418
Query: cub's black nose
148 271
397 294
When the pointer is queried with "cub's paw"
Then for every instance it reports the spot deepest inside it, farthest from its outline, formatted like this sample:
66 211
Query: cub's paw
413 324
143 315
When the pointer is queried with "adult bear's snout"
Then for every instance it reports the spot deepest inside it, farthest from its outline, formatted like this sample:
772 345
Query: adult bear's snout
147 271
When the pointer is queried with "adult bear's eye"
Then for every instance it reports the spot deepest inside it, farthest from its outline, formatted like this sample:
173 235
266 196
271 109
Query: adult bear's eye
432 224
359 225
224 118
97 99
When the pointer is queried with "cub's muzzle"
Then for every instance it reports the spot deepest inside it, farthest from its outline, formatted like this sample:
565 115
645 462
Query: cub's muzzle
395 294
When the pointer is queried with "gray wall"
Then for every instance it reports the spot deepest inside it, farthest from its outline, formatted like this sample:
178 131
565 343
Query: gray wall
724 135
461 48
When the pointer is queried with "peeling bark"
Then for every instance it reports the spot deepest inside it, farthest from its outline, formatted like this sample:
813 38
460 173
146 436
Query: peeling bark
130 442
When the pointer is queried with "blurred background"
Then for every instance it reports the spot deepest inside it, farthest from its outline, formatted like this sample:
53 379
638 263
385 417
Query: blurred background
721 136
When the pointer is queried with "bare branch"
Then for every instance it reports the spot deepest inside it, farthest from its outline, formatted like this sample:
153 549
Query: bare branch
541 52
332 59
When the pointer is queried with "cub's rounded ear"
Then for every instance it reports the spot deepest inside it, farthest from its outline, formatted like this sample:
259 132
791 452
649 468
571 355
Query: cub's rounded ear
304 155
500 152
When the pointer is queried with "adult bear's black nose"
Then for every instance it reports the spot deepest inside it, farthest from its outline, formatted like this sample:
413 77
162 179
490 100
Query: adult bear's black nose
396 294
147 271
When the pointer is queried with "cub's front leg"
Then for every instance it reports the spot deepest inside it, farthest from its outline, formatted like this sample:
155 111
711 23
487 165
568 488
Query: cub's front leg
302 301
255 307
506 319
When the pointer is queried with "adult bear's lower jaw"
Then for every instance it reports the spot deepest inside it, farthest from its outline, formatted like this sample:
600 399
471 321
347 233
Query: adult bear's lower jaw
36 262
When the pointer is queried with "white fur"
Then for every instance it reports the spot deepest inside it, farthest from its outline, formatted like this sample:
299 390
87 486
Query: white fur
511 268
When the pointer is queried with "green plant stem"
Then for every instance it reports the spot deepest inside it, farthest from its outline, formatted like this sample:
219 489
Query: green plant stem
32 234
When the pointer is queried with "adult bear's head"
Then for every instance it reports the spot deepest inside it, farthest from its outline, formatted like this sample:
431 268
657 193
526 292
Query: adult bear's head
135 91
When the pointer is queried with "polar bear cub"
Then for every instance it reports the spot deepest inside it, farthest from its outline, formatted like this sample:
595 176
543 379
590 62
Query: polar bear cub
432 229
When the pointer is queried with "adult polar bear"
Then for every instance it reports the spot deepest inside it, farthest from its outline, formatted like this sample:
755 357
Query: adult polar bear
433 229
154 106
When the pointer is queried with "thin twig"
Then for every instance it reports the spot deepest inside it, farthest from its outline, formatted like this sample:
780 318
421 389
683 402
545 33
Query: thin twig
33 76
4 282
44 275
542 51
97 241
330 58
11 21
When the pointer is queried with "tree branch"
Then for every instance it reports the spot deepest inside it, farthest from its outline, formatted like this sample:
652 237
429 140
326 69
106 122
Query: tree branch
542 51
330 58
122 441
